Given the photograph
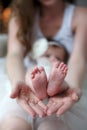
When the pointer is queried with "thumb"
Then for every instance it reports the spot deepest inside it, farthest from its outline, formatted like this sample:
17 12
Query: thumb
76 94
15 92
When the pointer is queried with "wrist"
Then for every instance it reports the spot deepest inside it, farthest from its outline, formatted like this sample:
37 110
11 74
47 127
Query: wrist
72 83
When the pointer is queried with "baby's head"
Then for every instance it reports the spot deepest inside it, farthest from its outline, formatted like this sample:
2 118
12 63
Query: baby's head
52 50
45 53
56 52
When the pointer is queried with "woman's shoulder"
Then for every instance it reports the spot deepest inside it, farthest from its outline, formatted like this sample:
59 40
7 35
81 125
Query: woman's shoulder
81 11
80 17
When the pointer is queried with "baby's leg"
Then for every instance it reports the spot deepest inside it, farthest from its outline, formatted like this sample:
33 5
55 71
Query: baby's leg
56 78
37 81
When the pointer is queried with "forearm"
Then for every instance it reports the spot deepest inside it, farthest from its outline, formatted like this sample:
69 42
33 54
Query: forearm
76 70
15 69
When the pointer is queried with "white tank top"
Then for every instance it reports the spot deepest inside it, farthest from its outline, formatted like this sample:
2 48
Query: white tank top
64 35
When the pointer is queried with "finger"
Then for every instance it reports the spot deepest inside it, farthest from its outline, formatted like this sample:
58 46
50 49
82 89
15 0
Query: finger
75 97
54 107
44 107
49 103
28 108
35 100
33 97
76 94
64 108
37 109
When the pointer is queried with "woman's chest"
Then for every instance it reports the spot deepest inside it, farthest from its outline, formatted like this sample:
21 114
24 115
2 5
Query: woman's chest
50 27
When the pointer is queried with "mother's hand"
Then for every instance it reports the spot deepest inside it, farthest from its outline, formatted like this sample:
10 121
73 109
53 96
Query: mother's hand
61 103
28 101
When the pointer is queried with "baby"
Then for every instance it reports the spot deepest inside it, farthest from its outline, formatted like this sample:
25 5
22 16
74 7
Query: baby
48 75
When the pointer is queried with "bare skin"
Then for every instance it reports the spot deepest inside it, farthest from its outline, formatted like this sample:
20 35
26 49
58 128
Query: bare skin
62 102
38 82
17 75
56 78
28 100
75 73
37 79
15 53
52 13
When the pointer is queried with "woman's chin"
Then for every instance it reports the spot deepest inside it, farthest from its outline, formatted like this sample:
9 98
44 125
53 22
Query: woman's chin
48 2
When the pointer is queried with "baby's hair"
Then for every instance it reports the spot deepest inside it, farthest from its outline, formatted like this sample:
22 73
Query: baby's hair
61 46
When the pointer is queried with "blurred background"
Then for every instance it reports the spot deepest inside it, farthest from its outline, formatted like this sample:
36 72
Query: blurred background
5 12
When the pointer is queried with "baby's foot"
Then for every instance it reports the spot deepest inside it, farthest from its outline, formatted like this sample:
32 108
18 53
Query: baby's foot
38 81
56 78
